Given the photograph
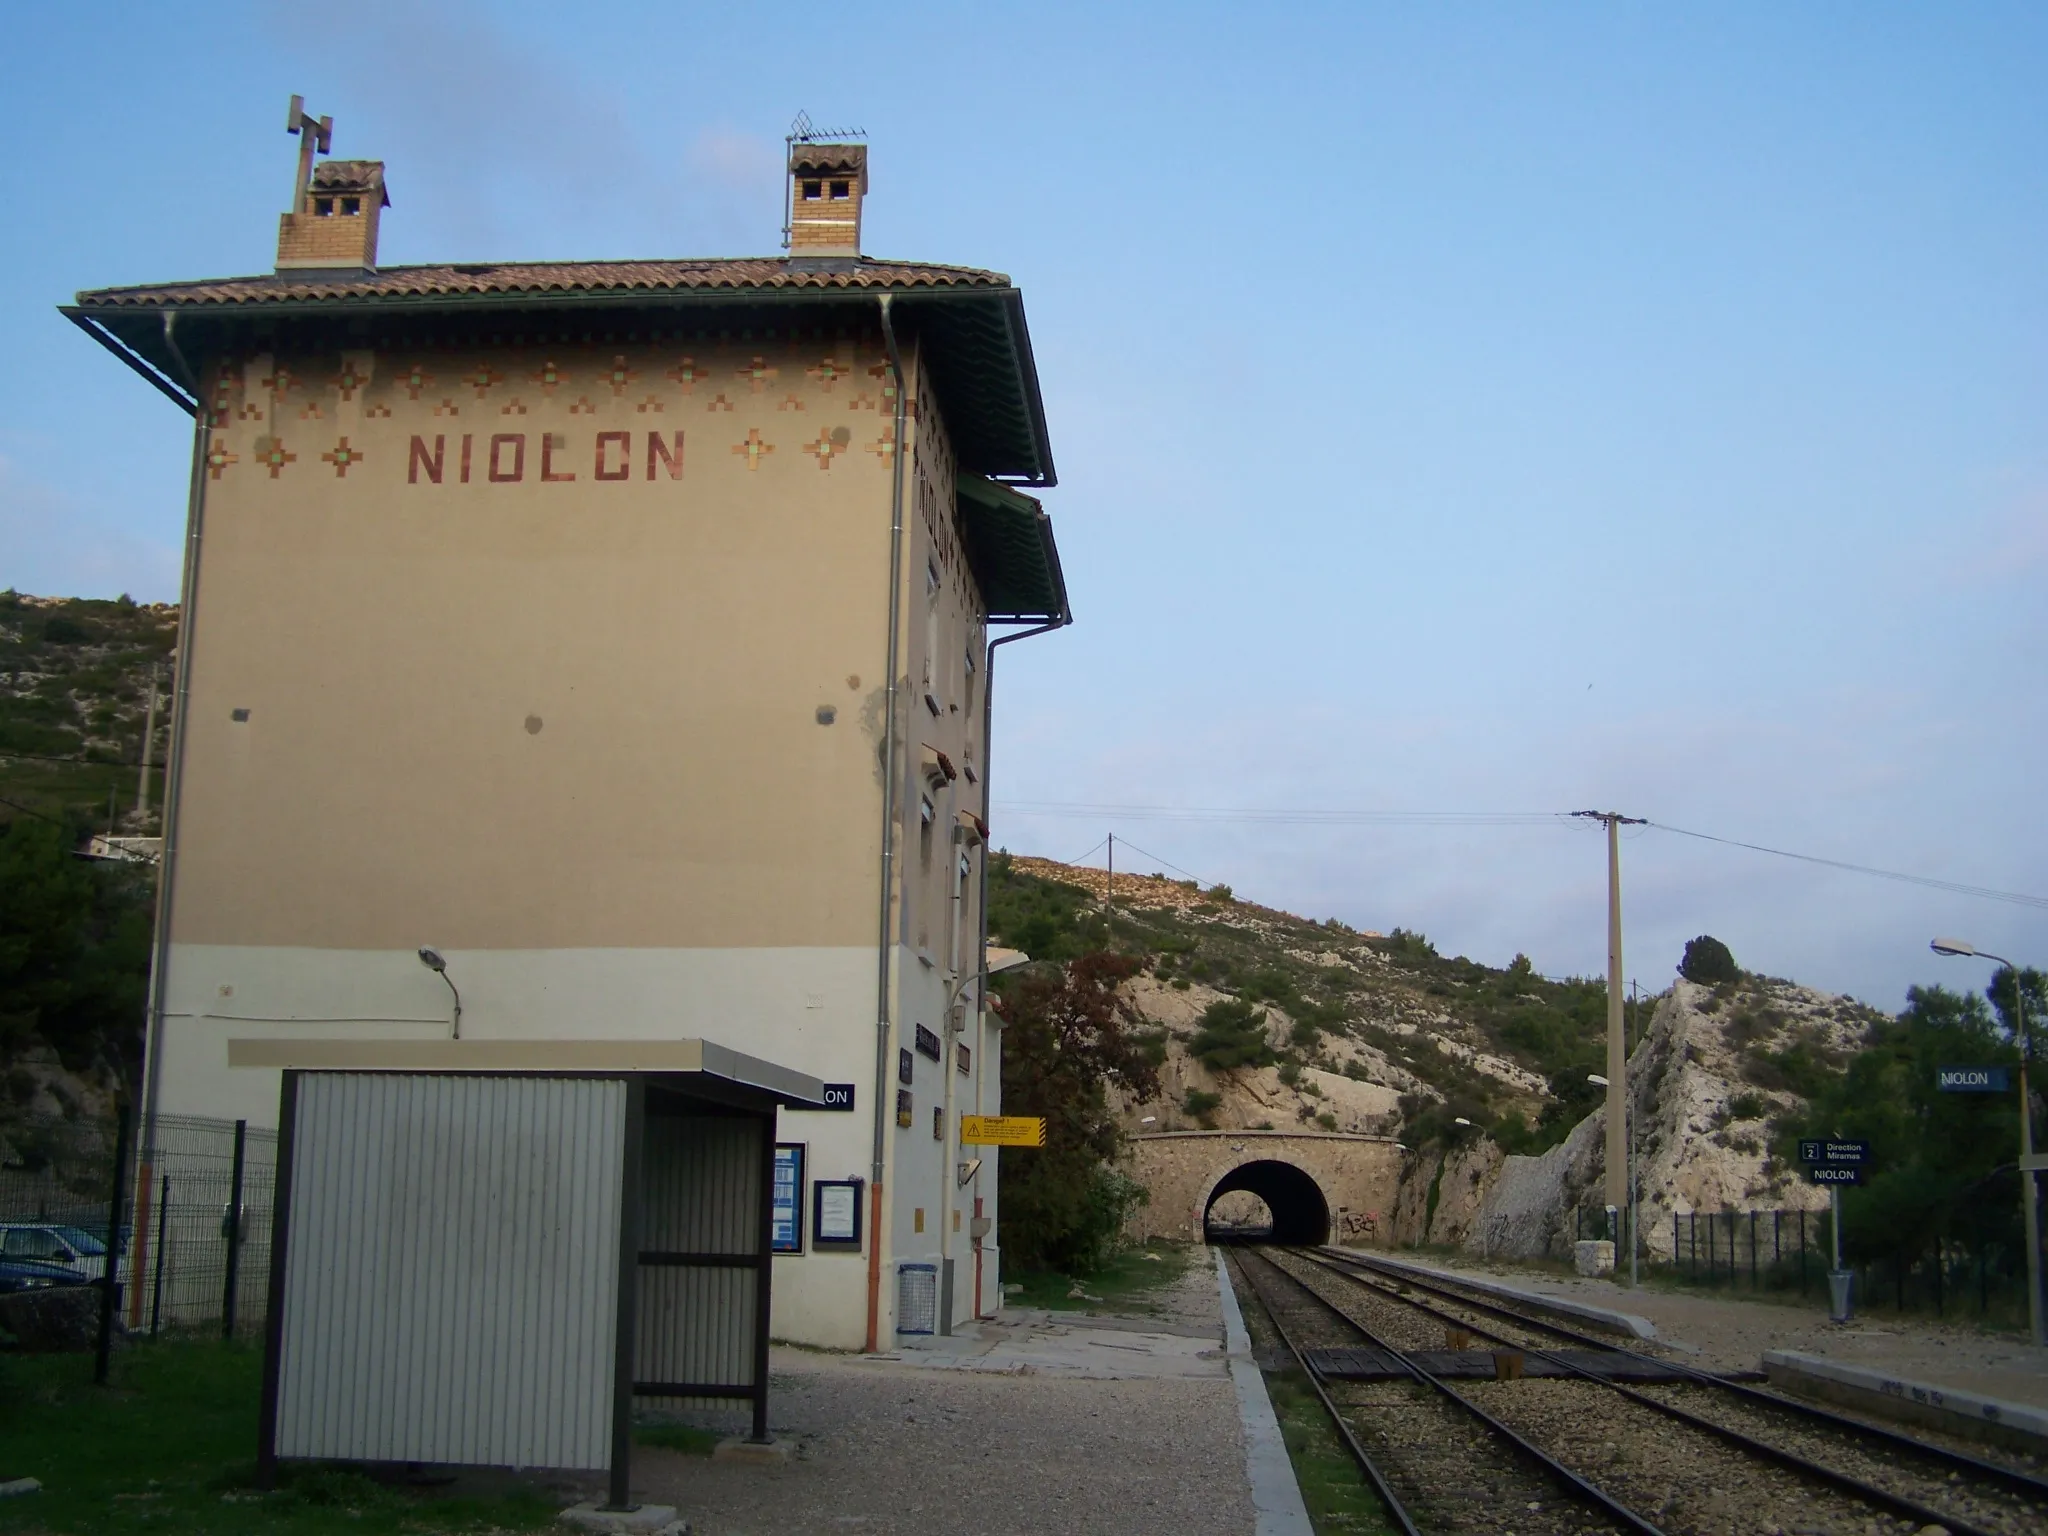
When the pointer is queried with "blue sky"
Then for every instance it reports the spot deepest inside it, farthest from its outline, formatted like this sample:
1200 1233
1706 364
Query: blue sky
1482 408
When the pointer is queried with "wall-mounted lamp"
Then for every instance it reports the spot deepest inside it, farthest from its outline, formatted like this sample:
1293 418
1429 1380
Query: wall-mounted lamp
432 960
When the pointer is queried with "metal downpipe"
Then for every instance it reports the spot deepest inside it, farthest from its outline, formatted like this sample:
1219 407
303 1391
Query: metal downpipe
884 1023
181 689
988 703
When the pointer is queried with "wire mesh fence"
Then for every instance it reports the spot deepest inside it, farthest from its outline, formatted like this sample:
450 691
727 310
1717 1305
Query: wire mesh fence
192 1249
1792 1250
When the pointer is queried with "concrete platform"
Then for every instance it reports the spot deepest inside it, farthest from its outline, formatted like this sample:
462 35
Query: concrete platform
1041 1422
1606 1319
1993 1421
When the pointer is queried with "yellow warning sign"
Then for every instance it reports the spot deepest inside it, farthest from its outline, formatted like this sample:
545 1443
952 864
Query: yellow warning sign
1002 1131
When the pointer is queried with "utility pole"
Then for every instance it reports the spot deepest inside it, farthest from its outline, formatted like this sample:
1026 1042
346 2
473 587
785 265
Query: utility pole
1617 1040
1109 897
148 734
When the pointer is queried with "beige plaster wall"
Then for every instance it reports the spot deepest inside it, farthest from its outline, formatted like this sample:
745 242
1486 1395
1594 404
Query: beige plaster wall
543 712
569 725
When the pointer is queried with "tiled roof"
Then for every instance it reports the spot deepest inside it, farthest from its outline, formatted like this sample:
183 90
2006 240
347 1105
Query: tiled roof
511 279
348 176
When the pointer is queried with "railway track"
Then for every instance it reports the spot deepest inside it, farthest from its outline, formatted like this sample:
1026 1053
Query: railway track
1569 1448
1934 1483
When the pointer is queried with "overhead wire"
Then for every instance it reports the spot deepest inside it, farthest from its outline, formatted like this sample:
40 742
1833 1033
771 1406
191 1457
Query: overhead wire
1077 809
1987 893
1284 817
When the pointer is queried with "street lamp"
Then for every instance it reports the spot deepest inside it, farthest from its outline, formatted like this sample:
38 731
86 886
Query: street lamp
431 958
2028 1193
1633 1215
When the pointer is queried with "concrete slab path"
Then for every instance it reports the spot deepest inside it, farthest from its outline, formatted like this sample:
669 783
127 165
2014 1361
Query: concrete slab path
1042 1422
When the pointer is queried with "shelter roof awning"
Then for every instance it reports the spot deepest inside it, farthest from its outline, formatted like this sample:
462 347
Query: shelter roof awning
701 1059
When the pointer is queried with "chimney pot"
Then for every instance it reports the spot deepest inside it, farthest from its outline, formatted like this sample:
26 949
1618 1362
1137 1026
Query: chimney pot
827 184
335 225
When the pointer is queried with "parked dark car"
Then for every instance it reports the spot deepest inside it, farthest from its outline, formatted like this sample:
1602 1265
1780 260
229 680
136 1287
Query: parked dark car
28 1275
53 1245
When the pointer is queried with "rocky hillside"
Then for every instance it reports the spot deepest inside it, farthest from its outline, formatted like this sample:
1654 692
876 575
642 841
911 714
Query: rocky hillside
1261 1019
1718 1064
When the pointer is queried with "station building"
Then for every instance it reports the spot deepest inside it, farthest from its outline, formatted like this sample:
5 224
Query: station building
618 634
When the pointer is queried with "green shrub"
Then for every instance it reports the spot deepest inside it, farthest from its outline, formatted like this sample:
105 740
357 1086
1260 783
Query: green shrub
1707 961
1746 1106
1200 1104
1327 1120
1232 1034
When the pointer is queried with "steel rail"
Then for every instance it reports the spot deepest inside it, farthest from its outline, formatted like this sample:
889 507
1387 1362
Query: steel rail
1792 1461
1372 1473
1557 1470
1952 1460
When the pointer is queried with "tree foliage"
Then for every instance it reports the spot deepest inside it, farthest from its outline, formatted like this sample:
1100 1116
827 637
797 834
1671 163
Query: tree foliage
1232 1034
74 949
1070 1038
1941 1163
1708 962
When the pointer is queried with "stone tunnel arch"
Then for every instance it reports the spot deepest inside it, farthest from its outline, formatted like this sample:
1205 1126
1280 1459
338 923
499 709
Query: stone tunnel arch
1301 1214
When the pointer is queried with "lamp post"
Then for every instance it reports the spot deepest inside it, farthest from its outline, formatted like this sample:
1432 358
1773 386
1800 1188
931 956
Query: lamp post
431 958
2028 1194
1600 1082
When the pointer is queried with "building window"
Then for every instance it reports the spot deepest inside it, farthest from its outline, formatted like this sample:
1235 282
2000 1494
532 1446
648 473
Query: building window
351 205
323 207
925 817
839 191
813 190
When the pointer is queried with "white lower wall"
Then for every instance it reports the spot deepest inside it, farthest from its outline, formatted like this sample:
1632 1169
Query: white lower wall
811 1009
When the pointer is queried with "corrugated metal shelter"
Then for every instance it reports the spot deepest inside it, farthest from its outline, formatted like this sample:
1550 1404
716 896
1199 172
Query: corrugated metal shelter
484 1250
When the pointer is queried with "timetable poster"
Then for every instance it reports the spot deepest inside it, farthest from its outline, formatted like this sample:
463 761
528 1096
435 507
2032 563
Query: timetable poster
789 1198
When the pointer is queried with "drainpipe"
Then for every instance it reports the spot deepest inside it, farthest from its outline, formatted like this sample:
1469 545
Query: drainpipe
884 1024
988 699
181 688
181 692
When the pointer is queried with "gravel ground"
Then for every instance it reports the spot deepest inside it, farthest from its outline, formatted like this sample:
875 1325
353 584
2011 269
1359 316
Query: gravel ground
887 1447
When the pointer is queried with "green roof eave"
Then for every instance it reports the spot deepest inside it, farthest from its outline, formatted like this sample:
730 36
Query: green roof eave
1010 547
975 338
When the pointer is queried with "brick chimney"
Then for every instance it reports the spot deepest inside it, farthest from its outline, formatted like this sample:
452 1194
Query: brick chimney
335 224
826 185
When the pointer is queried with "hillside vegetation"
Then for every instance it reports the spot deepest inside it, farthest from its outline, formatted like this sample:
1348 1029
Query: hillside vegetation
75 676
1364 1032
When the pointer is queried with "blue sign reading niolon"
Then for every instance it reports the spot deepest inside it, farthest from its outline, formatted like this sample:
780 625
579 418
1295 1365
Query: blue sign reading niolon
1972 1079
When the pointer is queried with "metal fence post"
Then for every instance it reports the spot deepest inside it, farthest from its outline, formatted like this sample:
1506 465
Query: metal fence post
110 1268
233 1226
1752 1248
156 1290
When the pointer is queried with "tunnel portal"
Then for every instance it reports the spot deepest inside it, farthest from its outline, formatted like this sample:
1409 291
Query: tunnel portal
1300 1213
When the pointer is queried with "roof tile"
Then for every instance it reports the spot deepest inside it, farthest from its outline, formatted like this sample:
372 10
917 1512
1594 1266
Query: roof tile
538 277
